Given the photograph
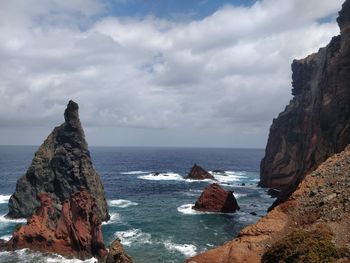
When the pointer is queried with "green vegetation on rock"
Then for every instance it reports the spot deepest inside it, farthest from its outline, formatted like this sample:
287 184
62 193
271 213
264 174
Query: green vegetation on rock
313 246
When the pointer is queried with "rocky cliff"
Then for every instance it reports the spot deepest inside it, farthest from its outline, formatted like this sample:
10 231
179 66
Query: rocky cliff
316 123
322 201
61 166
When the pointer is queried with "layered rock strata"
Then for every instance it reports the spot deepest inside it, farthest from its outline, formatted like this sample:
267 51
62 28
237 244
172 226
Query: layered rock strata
316 123
216 199
198 173
322 200
61 166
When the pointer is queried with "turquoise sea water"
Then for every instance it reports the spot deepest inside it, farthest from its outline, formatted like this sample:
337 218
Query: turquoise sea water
152 215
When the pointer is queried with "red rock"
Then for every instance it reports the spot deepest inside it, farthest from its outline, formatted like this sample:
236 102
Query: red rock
216 199
74 232
198 173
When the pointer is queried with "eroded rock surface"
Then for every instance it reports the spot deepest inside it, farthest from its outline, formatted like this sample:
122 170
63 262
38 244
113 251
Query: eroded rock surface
60 167
321 200
216 199
198 173
316 123
75 232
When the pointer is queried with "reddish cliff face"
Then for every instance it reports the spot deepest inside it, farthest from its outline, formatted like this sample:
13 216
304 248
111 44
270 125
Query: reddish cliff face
76 232
316 123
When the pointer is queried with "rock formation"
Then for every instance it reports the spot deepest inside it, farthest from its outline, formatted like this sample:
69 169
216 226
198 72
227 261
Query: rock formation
76 232
61 166
322 201
215 199
316 123
198 173
117 253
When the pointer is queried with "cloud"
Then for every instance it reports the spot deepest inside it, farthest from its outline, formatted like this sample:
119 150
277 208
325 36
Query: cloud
230 69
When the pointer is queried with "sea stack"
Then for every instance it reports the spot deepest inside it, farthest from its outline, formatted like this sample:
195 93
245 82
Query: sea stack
198 173
316 123
61 167
216 199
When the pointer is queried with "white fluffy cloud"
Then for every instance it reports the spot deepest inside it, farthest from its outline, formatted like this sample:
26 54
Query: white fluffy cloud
230 69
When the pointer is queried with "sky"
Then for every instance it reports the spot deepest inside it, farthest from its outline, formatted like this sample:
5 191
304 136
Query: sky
198 73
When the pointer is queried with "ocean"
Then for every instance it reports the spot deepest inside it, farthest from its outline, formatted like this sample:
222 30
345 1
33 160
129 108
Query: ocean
152 215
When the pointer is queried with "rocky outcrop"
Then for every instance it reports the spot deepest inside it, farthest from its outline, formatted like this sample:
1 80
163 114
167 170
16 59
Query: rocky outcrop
322 200
316 123
76 232
198 173
61 166
216 199
117 253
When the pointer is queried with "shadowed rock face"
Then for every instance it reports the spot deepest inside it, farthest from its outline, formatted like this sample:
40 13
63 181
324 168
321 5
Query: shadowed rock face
316 123
76 232
215 199
61 166
198 173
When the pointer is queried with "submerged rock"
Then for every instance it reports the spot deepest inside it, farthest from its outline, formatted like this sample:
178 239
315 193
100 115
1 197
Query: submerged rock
198 173
216 199
316 123
61 166
76 232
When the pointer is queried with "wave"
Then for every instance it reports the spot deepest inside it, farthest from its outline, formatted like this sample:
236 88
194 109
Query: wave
162 177
187 210
115 218
6 237
4 219
186 249
133 236
229 176
31 256
134 172
237 196
4 199
121 203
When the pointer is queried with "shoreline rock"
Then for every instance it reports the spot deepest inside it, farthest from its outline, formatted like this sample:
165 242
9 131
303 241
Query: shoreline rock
216 199
75 233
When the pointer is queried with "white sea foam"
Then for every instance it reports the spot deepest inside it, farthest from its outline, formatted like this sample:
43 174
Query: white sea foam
27 255
188 250
4 199
4 219
134 172
6 237
121 203
162 177
115 218
237 196
229 176
133 236
187 210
